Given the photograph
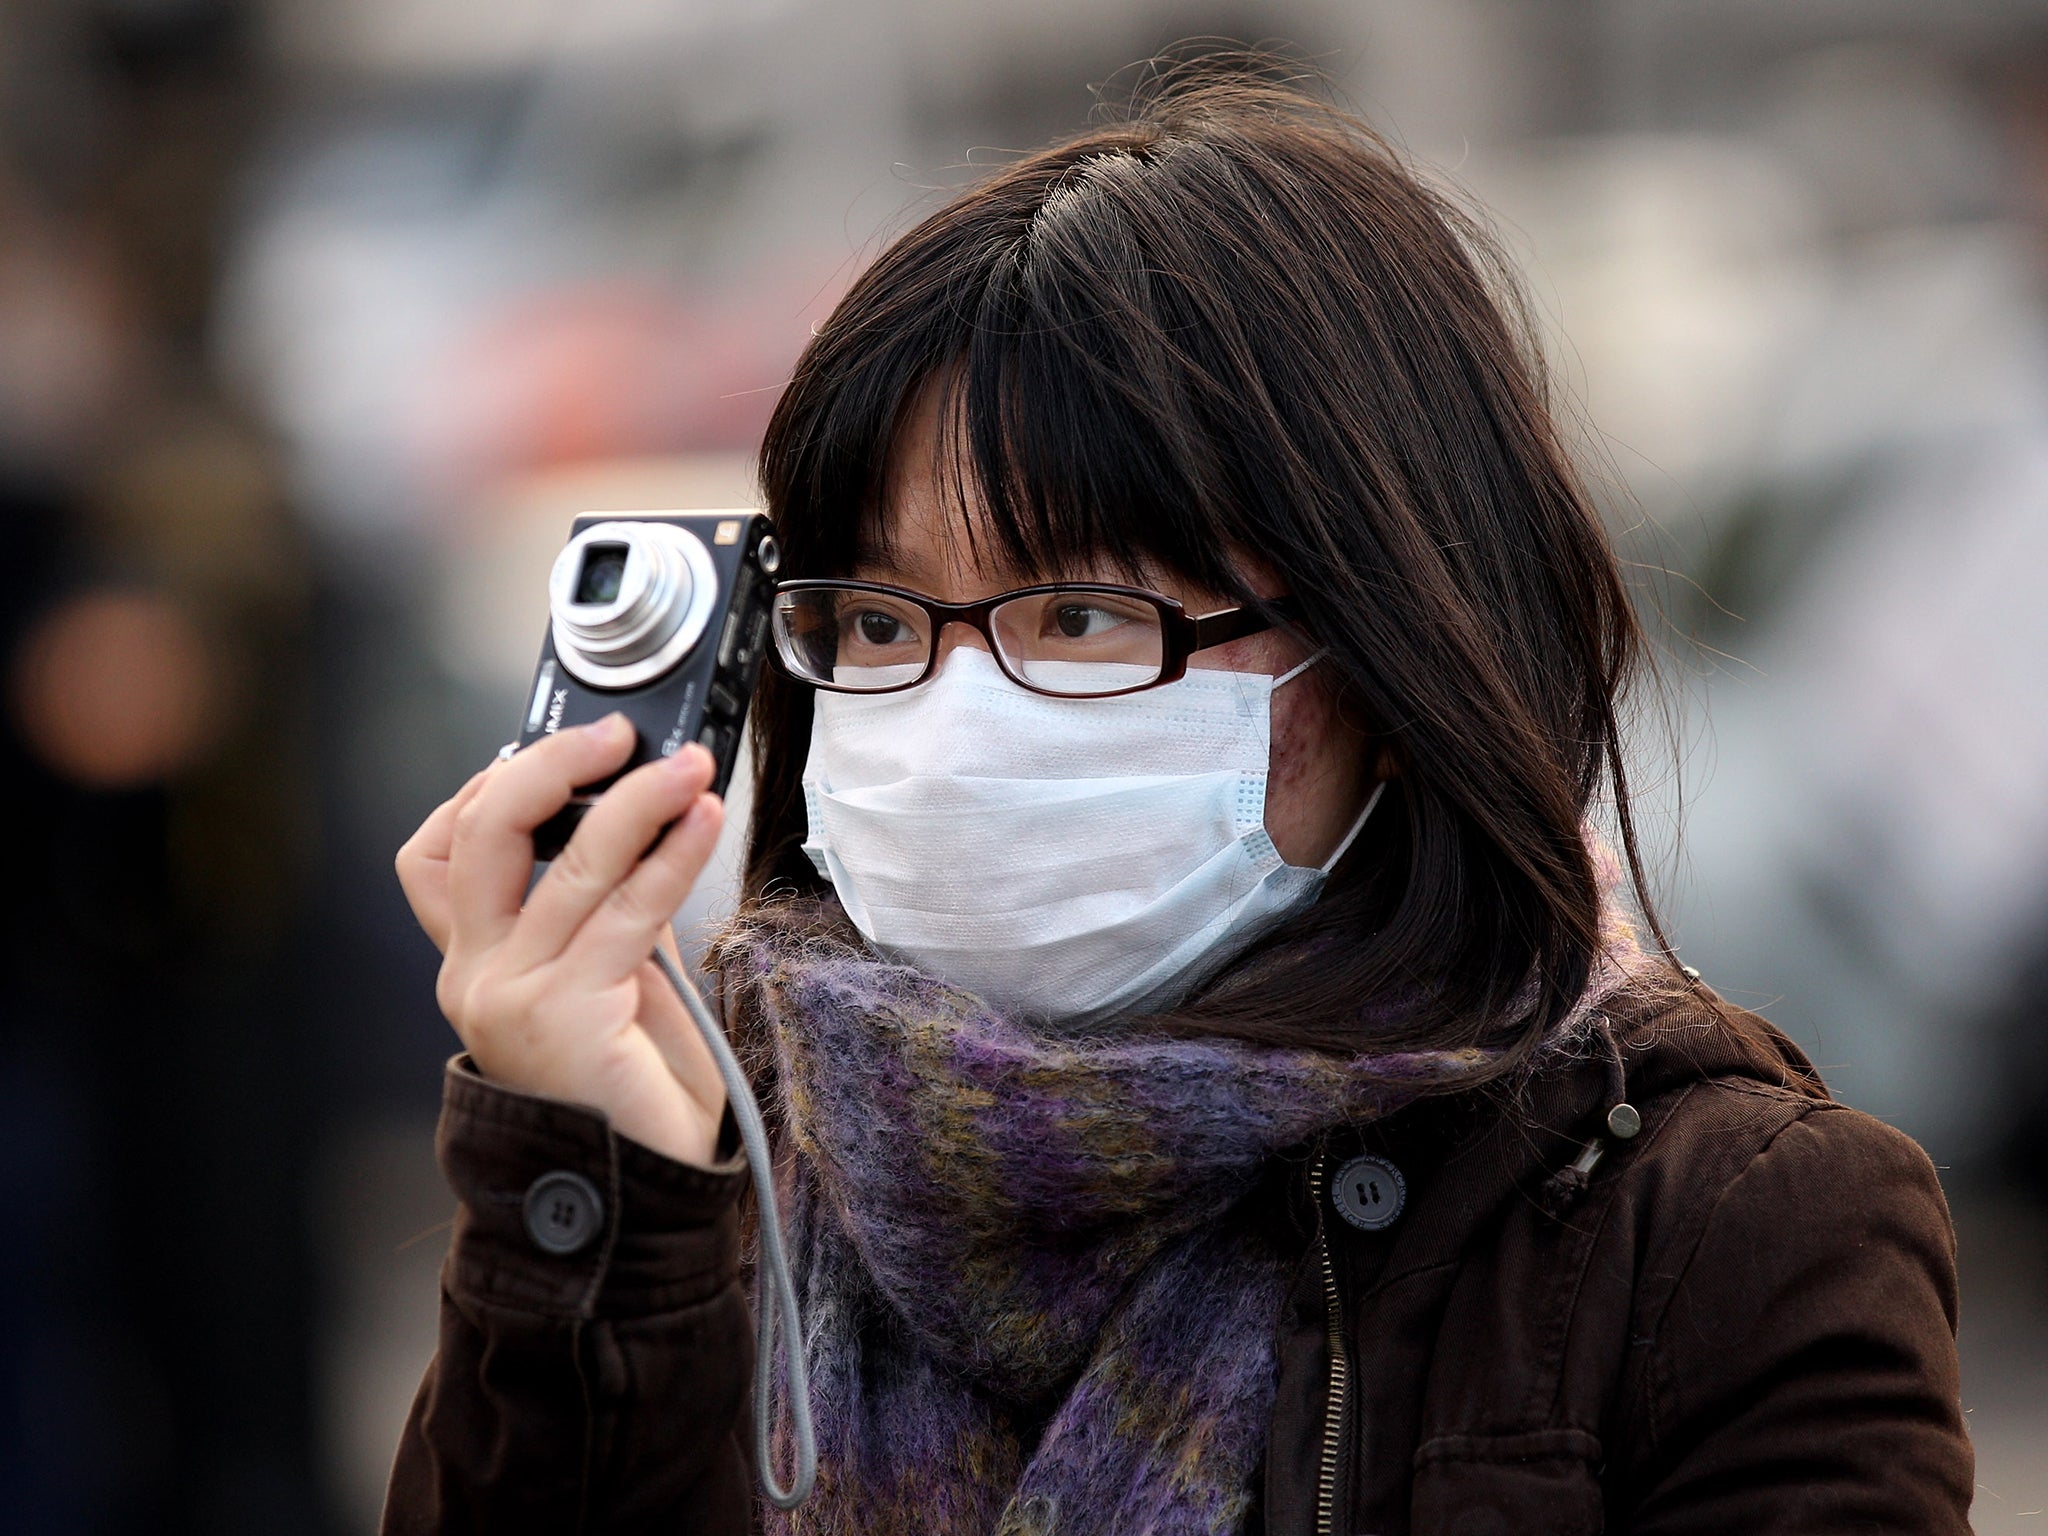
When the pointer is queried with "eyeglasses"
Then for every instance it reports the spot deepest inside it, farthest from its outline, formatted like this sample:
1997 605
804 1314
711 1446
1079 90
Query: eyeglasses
1073 640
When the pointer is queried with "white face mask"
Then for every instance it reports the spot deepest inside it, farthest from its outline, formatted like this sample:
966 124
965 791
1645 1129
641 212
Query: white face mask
1070 857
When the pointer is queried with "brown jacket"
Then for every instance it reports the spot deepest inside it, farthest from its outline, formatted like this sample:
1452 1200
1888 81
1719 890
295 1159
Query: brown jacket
1741 1320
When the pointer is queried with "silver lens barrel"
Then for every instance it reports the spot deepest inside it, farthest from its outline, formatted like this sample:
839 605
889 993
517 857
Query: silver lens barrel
618 623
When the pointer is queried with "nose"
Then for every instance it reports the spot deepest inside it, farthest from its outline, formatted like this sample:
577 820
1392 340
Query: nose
952 634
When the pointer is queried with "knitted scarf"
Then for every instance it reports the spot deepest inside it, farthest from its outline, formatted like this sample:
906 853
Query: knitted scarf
1036 1296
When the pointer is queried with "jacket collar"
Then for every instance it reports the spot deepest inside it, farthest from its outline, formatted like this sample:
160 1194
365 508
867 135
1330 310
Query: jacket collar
1480 1149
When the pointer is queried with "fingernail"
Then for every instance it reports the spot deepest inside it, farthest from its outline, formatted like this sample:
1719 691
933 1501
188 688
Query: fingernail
694 758
613 726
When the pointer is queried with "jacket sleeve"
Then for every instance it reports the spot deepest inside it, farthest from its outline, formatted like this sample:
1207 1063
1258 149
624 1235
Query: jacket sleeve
1804 1375
595 1345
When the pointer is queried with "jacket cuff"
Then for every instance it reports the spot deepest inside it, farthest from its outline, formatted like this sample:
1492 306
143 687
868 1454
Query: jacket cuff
560 1215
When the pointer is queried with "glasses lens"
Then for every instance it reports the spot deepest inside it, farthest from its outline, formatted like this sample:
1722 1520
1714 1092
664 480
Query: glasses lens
1081 642
854 640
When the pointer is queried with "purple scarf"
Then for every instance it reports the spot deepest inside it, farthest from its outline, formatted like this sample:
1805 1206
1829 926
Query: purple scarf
1035 1295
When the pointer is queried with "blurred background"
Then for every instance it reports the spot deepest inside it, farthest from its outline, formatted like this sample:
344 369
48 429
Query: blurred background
319 319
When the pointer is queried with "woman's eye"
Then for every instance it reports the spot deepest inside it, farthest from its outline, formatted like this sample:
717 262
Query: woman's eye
1082 621
873 627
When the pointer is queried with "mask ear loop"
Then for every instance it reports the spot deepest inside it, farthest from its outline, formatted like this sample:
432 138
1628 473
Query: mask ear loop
1378 789
1298 668
1357 826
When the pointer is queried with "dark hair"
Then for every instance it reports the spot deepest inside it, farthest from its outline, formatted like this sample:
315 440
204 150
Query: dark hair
1237 321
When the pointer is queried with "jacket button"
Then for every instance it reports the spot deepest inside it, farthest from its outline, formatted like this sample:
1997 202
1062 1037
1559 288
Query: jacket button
1369 1193
563 1212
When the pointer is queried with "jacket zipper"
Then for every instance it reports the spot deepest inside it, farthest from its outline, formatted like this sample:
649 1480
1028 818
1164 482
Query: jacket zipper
1340 1364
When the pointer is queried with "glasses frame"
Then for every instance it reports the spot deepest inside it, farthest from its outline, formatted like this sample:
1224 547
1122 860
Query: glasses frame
1182 634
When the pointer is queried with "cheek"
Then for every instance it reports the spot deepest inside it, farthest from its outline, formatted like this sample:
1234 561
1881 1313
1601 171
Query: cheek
1300 741
1315 776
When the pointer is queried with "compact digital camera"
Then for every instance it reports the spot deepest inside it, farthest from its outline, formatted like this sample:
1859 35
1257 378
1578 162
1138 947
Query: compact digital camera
664 617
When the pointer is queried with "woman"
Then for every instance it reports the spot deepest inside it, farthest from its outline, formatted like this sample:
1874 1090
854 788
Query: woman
1218 1086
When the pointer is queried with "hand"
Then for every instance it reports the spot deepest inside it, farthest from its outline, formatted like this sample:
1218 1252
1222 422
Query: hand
560 996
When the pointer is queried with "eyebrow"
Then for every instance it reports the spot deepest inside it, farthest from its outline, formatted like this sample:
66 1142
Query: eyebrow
897 561
911 563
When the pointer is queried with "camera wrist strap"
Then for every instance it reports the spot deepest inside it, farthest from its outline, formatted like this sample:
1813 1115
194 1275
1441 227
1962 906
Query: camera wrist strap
776 1293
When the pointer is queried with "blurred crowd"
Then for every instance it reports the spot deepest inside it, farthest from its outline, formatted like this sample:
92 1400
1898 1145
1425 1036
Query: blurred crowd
319 319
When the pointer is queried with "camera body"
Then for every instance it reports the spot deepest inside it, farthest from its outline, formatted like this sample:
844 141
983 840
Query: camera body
662 616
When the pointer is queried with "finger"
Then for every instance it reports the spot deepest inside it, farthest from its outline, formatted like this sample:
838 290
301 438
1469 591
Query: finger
433 836
490 858
622 931
429 841
614 835
422 861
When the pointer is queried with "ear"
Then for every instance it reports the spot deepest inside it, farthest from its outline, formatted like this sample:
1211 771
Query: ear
1388 757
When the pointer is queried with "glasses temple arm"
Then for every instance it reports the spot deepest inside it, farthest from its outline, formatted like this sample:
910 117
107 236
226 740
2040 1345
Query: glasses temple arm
1229 624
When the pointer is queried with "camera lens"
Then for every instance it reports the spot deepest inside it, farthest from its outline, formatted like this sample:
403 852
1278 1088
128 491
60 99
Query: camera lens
604 568
630 598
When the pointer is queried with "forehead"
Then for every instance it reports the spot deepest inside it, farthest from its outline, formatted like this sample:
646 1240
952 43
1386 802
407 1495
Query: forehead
932 525
931 518
932 528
